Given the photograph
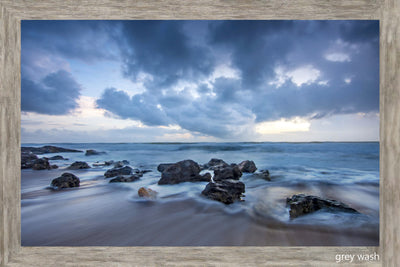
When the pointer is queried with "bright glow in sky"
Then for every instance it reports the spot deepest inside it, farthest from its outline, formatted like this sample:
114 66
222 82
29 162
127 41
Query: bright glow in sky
199 81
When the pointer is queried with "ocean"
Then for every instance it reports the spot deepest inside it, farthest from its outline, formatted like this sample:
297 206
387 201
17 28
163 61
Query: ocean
100 213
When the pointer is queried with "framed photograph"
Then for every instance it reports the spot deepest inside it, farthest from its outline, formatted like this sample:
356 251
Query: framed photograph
163 137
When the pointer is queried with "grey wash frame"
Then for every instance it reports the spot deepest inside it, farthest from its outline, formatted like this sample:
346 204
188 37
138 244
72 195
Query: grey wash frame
13 11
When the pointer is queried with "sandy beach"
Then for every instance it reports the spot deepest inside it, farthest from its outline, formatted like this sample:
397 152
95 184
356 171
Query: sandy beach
101 214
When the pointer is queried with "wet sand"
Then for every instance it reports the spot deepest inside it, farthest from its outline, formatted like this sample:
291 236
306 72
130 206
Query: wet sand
98 215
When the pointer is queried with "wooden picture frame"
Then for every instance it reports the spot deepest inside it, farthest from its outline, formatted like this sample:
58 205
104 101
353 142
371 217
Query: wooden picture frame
13 11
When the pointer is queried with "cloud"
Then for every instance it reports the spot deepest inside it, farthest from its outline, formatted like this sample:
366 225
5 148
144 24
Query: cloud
164 50
141 107
47 50
252 59
337 57
198 115
254 46
302 75
56 94
215 78
72 39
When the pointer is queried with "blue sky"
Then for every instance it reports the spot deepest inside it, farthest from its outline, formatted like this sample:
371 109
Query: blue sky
199 81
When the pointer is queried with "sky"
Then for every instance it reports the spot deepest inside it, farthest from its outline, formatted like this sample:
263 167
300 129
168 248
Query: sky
199 81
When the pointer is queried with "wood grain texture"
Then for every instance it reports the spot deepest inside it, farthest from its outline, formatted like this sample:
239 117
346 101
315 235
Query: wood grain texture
201 9
390 132
12 11
9 155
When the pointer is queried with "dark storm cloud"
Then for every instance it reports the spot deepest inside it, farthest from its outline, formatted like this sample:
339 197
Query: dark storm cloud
178 60
140 107
362 31
205 116
46 49
164 50
56 94
256 49
255 45
81 40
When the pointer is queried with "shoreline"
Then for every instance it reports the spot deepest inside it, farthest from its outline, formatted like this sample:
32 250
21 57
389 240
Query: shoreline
101 212
99 215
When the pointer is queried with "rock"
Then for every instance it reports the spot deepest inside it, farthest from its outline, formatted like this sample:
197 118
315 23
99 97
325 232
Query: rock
163 166
58 157
263 174
147 193
118 164
140 172
41 164
215 164
47 149
79 165
226 191
247 166
229 172
183 171
27 160
206 177
54 166
92 152
125 179
66 180
104 163
301 204
118 171
108 163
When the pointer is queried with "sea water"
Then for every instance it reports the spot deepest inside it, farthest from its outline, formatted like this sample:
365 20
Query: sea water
348 172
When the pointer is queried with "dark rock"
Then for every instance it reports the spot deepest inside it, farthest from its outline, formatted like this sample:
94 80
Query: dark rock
118 164
79 165
58 157
66 180
247 166
140 172
27 160
92 152
183 171
125 179
226 191
263 174
147 193
163 166
206 177
108 163
215 164
41 164
47 149
228 172
118 171
54 166
303 204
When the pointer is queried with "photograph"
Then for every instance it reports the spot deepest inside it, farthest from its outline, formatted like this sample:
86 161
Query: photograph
200 133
